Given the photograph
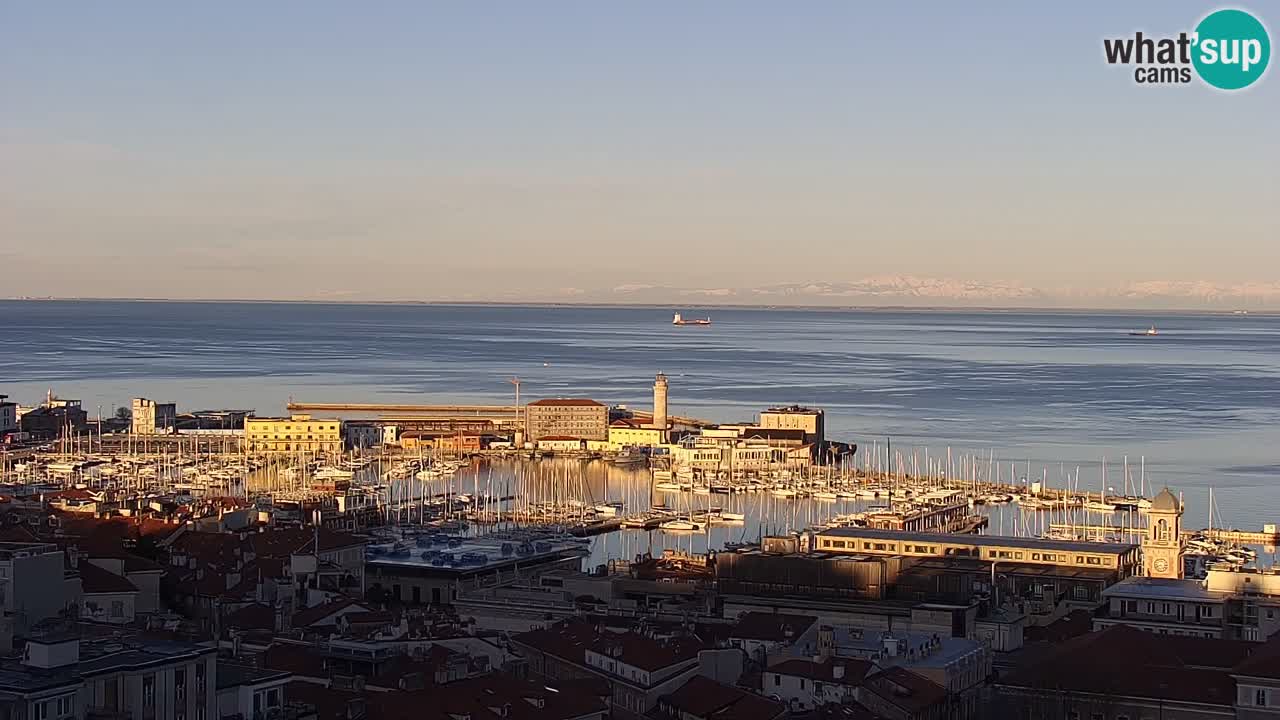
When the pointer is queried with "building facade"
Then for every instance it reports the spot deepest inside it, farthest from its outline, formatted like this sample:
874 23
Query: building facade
8 416
294 434
794 417
153 418
1162 546
569 417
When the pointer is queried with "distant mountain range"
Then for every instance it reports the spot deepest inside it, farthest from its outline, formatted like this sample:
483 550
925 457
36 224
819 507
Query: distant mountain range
931 291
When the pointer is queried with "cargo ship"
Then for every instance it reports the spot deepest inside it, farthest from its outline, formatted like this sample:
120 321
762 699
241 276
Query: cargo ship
678 320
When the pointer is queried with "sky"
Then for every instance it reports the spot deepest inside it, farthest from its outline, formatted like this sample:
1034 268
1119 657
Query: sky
584 150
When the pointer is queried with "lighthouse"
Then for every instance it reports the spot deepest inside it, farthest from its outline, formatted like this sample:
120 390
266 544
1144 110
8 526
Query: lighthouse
660 401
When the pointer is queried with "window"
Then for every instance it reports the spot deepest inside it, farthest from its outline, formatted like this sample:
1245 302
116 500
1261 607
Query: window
117 608
149 691
1094 560
777 680
1079 559
200 677
802 684
1260 698
1035 556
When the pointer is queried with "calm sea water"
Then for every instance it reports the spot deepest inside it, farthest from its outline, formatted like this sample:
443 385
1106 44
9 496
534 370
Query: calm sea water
1201 401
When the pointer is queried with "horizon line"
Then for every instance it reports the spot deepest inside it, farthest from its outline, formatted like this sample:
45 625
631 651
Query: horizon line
665 306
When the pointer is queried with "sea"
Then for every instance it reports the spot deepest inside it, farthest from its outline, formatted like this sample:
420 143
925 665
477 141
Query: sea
1050 395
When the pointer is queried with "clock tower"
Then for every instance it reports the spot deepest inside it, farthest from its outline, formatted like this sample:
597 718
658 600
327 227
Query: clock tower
1162 546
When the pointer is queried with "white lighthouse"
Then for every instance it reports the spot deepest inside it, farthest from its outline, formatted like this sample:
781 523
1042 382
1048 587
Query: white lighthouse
660 401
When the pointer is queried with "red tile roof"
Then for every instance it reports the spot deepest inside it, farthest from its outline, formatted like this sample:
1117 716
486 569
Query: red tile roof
571 639
312 615
853 670
900 687
254 616
566 402
705 698
1123 661
1264 662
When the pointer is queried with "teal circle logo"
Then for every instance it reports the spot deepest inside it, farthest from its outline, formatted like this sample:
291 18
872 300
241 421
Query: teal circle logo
1232 49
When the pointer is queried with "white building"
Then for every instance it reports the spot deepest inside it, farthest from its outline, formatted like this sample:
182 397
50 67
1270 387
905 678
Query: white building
8 416
153 418
62 677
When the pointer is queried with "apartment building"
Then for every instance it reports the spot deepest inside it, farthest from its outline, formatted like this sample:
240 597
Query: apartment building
294 434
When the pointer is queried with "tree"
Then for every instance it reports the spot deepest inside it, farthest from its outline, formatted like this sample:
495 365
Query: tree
124 414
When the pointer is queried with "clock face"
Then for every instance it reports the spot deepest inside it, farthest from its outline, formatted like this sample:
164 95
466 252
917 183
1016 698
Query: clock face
1161 565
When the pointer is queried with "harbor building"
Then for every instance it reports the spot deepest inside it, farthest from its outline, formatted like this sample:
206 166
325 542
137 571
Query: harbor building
293 434
53 418
8 416
795 417
626 432
1120 559
581 418
153 418
436 568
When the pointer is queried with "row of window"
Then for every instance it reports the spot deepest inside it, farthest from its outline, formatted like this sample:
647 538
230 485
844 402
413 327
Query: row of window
1100 561
301 428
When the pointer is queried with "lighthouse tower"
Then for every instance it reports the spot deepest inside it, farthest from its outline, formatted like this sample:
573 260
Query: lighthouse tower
660 401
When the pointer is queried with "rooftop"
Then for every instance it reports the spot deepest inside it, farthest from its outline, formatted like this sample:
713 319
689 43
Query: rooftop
232 675
99 656
1122 661
905 689
703 697
446 554
566 402
571 639
1164 589
825 670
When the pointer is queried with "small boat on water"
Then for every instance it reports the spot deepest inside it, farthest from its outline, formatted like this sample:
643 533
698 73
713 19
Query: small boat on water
1149 332
679 524
629 456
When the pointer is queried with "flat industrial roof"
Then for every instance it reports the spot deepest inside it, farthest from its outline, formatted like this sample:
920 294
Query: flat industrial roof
491 547
978 540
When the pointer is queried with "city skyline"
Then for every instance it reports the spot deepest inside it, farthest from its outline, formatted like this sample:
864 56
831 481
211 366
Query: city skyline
712 154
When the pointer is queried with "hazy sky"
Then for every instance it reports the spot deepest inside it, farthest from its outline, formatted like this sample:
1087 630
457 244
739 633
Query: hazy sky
481 149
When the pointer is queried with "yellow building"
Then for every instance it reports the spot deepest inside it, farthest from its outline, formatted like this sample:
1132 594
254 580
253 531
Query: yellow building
624 432
298 433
